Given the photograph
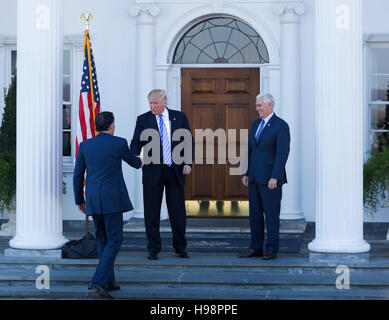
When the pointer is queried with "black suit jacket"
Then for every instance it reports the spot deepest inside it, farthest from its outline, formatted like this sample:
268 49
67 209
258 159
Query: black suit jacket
152 171
267 157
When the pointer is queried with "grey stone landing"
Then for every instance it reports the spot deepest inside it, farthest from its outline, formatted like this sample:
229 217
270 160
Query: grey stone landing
217 226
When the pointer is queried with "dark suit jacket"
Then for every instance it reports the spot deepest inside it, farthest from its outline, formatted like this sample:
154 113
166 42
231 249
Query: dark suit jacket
152 171
267 158
106 191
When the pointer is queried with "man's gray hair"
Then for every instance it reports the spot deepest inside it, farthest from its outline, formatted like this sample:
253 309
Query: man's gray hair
267 97
158 93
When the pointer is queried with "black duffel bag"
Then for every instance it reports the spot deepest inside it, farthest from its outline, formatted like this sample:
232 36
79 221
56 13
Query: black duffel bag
85 248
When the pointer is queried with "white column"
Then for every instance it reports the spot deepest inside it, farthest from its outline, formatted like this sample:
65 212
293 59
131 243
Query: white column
290 103
339 126
144 11
39 125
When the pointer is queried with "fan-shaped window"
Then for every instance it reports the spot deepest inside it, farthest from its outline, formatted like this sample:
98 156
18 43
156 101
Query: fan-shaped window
221 40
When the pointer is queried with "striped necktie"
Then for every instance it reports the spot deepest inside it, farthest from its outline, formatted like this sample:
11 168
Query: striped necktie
167 154
259 130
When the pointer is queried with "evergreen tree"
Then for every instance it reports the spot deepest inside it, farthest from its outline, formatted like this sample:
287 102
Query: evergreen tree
8 150
8 125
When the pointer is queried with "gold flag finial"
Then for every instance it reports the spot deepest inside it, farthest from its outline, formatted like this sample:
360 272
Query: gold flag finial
87 17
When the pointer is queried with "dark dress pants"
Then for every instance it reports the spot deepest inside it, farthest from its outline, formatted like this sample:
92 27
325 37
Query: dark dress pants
109 237
264 203
175 201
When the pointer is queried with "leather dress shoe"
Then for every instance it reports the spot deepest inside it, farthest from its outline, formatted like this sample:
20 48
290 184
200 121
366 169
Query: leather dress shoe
101 292
269 255
250 253
112 287
152 256
182 254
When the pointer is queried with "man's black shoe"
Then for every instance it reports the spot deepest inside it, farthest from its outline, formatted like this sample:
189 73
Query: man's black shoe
269 255
182 254
250 253
112 287
102 293
152 256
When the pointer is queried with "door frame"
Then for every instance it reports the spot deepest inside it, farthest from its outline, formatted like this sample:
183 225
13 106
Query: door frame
231 208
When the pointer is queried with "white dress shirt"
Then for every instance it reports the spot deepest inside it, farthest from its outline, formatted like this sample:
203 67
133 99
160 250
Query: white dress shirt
266 121
165 117
268 118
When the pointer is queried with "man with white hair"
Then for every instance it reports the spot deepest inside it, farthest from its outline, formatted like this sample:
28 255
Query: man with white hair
164 174
268 151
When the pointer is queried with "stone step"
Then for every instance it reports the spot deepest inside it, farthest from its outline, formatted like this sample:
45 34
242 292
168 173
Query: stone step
296 271
216 226
144 291
128 260
205 277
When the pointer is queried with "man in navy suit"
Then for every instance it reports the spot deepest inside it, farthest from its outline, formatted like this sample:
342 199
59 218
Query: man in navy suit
106 195
164 173
268 151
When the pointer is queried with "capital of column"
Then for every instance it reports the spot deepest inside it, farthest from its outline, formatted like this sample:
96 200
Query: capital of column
150 9
289 11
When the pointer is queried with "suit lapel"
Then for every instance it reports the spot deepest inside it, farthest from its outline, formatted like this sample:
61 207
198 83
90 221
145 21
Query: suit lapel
152 122
266 128
173 124
255 129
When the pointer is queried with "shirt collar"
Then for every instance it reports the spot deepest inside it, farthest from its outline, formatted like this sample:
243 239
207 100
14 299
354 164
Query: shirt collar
165 114
268 117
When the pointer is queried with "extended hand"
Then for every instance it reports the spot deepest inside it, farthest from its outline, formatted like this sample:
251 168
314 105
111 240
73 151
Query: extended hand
245 181
82 207
187 170
272 184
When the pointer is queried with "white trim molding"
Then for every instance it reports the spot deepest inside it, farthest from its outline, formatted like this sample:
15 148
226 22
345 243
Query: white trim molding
375 37
297 7
7 39
180 26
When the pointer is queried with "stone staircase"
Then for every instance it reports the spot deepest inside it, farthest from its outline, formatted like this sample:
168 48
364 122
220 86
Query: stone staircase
203 276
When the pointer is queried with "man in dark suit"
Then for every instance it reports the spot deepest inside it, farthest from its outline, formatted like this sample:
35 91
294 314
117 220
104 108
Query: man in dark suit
106 195
164 172
268 151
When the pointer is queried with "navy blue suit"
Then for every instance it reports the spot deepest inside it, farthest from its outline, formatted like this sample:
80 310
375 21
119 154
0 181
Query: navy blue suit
267 159
106 195
156 177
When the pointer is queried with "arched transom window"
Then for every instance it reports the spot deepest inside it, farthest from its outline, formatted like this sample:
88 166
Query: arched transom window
221 40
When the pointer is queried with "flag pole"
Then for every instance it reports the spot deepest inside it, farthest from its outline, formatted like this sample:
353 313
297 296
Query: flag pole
87 17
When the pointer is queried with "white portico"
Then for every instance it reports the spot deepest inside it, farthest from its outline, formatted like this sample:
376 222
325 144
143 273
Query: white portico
159 27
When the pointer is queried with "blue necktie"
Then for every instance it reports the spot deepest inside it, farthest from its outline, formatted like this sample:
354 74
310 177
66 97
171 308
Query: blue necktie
167 154
259 130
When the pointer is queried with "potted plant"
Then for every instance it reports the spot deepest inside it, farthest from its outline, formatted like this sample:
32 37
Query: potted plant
8 161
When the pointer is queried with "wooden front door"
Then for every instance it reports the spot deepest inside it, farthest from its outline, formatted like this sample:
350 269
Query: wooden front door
218 99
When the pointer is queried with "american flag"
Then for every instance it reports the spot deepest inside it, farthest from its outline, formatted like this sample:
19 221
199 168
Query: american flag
89 104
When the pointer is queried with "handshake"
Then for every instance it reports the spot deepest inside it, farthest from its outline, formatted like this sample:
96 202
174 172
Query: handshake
187 169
